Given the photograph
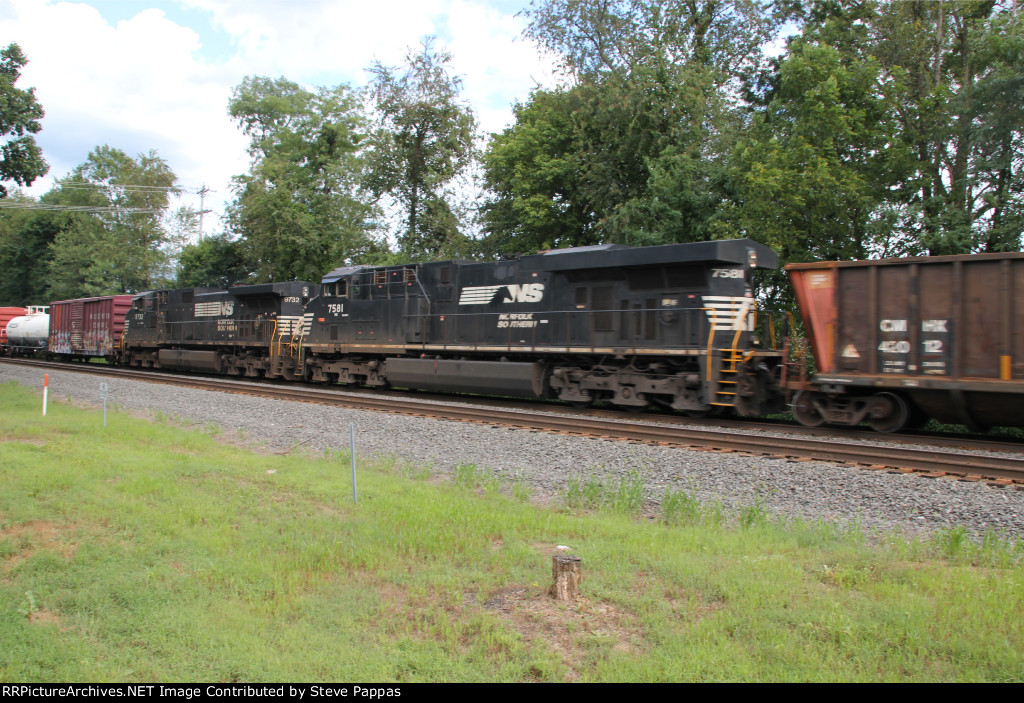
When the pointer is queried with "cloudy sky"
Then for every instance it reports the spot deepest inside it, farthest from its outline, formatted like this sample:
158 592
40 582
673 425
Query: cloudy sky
158 74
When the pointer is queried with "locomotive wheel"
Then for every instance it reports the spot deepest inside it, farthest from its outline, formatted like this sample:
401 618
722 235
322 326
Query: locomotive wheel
889 413
805 412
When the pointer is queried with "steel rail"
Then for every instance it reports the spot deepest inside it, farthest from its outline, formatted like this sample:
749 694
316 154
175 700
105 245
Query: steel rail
962 462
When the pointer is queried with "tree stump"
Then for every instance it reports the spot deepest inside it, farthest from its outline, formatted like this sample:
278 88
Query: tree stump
567 572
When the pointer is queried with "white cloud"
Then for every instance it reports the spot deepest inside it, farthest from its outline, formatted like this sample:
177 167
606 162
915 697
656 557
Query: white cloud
312 37
496 63
148 82
135 85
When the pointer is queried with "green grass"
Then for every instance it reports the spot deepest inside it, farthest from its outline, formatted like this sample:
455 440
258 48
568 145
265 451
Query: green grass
150 552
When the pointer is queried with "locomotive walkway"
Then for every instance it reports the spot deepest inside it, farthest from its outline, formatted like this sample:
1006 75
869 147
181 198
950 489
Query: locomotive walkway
960 457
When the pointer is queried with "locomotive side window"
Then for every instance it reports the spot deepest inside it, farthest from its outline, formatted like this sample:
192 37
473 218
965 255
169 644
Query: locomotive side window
338 289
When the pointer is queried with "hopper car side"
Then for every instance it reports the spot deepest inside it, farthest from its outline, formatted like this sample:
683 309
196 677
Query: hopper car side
897 341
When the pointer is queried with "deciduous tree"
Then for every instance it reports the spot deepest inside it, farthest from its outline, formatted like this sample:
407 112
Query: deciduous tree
958 70
25 238
643 130
21 159
215 261
116 246
301 209
424 142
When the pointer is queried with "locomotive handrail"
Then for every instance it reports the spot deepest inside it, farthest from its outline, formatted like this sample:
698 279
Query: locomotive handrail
711 340
632 333
630 330
243 332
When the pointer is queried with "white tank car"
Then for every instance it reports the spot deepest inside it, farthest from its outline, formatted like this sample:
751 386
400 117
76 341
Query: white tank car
28 332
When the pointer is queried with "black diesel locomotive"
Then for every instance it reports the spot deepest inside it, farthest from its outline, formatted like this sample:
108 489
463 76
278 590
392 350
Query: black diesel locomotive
673 325
245 331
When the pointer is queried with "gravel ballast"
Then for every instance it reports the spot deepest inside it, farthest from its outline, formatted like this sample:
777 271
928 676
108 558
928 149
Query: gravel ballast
907 503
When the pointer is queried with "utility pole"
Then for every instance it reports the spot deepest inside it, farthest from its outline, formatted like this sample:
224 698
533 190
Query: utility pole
202 208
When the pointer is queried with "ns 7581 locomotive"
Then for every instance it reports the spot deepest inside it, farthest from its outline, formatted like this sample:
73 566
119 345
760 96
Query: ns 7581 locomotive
673 326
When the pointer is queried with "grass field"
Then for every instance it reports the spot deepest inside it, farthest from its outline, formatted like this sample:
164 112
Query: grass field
150 551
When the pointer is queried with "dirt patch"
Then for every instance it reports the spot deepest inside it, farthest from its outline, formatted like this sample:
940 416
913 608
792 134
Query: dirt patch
577 631
45 617
31 537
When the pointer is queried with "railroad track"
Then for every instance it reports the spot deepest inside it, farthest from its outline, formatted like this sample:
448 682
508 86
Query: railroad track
959 457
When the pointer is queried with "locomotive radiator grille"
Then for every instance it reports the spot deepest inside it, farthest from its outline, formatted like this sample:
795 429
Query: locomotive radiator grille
294 324
729 312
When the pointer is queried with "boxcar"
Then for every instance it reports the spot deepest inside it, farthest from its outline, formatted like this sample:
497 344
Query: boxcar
88 327
899 340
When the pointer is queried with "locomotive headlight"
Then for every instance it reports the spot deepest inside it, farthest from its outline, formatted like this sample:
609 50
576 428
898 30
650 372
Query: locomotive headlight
751 258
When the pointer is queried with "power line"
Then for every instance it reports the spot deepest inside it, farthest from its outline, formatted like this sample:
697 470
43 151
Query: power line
133 187
92 209
202 191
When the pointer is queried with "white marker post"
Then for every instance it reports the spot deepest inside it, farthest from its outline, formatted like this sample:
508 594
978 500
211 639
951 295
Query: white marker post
352 452
46 390
103 394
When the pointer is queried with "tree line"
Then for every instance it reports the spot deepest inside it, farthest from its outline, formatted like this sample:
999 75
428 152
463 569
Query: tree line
883 128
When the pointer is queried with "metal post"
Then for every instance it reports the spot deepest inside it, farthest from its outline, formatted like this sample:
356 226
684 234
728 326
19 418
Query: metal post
352 453
46 390
103 394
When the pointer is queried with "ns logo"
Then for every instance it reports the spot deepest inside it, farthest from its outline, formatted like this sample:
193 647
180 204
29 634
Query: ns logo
219 309
517 293
526 293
